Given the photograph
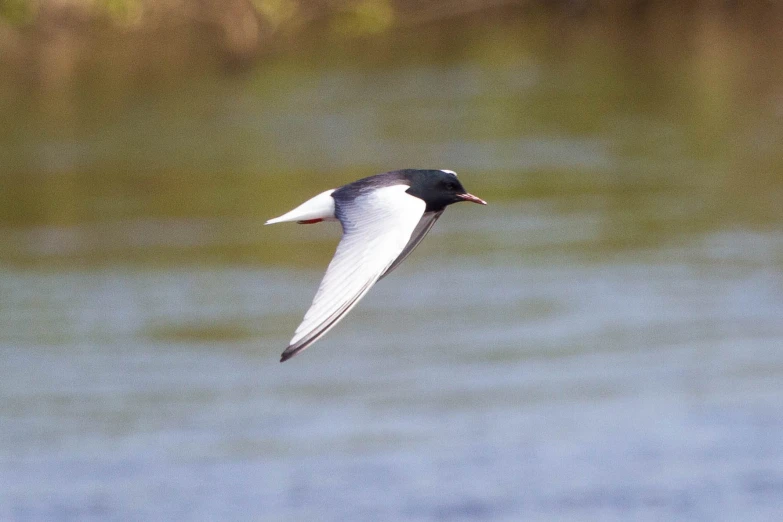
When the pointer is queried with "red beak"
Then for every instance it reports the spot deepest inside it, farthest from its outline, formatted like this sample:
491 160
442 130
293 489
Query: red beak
472 198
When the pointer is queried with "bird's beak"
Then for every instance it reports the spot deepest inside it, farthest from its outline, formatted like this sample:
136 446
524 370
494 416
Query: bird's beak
472 198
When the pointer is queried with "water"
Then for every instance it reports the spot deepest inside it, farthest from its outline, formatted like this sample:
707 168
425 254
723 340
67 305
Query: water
602 342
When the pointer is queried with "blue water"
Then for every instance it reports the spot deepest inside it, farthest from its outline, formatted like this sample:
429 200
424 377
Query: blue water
603 341
644 391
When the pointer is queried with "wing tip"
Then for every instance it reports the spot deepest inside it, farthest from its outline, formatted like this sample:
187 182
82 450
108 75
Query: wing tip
290 352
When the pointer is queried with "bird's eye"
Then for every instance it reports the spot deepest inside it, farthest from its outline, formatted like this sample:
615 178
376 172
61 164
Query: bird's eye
451 185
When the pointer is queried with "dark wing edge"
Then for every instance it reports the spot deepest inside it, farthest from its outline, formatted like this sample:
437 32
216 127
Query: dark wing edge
325 326
421 230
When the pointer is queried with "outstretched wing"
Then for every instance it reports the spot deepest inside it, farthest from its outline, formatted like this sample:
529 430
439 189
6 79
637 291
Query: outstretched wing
425 224
377 228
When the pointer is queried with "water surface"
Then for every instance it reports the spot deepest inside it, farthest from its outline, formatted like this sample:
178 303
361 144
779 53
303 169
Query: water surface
602 342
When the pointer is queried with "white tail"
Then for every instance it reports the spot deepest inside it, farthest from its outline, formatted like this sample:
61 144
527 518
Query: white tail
319 207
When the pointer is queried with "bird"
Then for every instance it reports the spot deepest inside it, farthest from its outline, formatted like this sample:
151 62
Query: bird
383 217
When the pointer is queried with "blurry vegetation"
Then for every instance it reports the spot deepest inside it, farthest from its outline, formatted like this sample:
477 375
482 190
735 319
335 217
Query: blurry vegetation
62 36
665 114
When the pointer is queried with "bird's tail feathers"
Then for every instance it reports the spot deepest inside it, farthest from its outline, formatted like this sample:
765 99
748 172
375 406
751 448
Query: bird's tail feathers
321 207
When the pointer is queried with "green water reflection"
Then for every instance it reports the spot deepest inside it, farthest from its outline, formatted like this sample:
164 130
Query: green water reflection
601 342
657 129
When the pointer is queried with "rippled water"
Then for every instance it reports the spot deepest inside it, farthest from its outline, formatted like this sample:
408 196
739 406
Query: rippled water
604 341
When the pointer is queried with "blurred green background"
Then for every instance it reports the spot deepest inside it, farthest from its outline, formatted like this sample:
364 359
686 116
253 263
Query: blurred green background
122 117
602 342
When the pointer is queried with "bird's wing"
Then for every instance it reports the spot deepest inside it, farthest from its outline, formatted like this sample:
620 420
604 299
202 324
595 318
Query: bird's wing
424 226
377 226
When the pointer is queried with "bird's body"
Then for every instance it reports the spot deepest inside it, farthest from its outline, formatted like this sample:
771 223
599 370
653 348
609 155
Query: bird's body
384 217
